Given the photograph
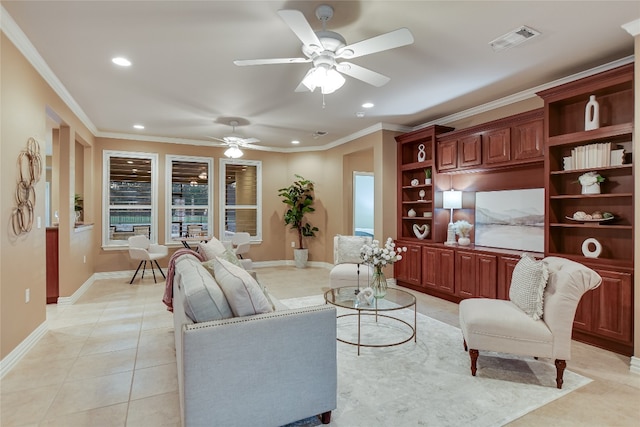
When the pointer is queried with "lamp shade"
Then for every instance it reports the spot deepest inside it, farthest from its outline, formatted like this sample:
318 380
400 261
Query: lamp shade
452 199
233 151
324 77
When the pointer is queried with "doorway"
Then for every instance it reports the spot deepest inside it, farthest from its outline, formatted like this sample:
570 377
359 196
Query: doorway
363 204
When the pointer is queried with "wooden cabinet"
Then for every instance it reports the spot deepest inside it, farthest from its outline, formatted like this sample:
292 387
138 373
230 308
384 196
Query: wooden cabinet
52 265
438 267
415 194
497 146
408 269
506 264
476 274
572 151
470 151
512 141
604 316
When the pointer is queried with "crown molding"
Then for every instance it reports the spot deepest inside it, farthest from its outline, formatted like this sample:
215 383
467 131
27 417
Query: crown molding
24 45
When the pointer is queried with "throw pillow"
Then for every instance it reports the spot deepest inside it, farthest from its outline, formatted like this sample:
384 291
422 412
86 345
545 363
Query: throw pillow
211 249
528 282
242 291
203 297
348 251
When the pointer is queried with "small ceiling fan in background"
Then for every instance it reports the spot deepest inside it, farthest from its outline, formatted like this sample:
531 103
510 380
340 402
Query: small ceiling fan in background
325 48
235 142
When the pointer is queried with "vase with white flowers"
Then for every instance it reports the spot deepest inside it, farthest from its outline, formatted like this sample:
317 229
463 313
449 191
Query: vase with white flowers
590 182
463 228
378 257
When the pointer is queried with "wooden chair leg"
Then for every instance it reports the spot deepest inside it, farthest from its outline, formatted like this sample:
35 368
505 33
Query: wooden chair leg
464 342
473 354
560 366
325 417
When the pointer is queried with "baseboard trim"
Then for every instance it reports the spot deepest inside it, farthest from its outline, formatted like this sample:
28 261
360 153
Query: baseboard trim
22 349
634 365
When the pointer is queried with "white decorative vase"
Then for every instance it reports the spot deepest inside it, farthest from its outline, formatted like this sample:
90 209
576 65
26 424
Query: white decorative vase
464 241
591 189
300 257
411 213
427 181
592 114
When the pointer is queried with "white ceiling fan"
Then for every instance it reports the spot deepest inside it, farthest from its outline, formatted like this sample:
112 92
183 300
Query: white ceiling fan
325 48
235 142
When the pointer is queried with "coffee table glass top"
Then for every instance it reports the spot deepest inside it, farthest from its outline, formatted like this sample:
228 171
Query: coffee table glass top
396 299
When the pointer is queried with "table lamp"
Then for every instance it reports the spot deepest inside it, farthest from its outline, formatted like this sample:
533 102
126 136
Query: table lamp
451 200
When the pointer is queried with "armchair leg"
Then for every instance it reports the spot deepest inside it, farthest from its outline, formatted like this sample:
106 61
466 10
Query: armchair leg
158 265
473 354
325 417
136 273
154 272
560 365
464 342
144 268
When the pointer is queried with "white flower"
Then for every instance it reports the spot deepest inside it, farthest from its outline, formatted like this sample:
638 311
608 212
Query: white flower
378 256
590 178
463 228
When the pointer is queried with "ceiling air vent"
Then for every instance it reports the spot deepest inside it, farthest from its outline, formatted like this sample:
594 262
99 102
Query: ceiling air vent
513 38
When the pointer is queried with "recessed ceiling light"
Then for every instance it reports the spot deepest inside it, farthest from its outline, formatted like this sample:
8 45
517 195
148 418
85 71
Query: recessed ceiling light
138 126
368 105
119 60
295 141
360 114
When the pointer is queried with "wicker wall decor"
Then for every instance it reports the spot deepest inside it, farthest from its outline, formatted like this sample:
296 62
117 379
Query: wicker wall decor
29 173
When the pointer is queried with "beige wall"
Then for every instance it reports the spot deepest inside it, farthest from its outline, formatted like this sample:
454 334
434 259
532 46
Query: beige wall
25 98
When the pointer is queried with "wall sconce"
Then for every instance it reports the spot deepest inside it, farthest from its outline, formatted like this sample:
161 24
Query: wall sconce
451 200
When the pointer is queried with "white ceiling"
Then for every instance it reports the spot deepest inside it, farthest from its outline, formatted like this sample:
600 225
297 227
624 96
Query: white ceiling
183 83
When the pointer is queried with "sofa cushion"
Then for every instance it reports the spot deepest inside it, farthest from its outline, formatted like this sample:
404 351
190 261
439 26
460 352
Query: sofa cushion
527 285
243 292
211 249
348 249
203 298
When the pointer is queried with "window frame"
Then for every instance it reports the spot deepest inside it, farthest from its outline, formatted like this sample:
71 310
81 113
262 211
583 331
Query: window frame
170 158
223 196
106 187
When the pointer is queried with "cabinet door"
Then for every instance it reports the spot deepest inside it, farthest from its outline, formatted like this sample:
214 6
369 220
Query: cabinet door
446 276
497 146
470 151
447 155
528 140
506 264
612 307
430 267
409 268
584 313
466 282
486 274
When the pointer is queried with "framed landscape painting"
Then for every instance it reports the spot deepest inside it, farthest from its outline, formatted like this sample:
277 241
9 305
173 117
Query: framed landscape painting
510 219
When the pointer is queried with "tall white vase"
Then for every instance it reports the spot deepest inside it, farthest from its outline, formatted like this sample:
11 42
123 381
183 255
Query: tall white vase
592 114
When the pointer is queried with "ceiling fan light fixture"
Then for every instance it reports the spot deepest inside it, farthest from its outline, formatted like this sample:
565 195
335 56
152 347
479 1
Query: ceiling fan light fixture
233 151
326 78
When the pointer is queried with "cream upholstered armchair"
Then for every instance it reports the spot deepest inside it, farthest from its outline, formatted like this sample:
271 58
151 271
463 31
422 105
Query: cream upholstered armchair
141 249
538 319
348 269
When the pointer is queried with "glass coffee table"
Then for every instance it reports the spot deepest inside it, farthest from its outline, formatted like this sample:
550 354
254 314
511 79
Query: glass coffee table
395 300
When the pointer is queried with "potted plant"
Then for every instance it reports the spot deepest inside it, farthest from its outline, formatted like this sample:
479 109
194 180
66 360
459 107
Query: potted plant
299 199
590 182
463 228
427 176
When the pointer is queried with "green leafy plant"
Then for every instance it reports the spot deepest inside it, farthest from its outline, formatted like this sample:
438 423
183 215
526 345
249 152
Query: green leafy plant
299 198
427 173
78 203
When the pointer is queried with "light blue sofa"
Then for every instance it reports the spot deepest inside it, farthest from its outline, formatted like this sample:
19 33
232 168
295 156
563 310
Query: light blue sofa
262 370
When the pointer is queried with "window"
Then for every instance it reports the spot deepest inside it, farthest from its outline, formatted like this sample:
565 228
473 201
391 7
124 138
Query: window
129 196
189 197
240 198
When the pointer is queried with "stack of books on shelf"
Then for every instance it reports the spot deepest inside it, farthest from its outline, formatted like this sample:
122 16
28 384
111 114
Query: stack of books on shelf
598 155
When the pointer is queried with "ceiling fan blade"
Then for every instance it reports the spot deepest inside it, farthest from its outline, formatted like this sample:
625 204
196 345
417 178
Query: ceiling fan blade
364 74
392 40
300 26
250 141
216 139
244 62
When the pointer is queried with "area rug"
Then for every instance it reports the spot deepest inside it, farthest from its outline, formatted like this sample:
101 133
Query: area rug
428 382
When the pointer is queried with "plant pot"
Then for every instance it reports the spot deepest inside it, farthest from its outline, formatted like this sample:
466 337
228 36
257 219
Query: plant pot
591 189
464 241
300 257
427 181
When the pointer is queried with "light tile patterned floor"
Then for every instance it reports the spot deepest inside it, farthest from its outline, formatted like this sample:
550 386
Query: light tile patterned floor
109 360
